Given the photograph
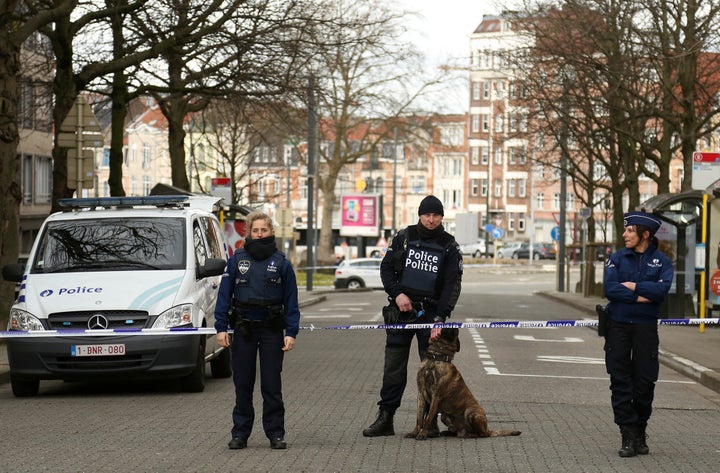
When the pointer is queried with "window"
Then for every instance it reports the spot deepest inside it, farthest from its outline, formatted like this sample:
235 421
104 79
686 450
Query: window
522 187
499 123
521 222
485 122
476 90
147 151
475 123
36 172
485 155
498 188
540 201
457 167
146 185
483 187
474 187
474 155
498 155
486 89
556 201
511 221
511 187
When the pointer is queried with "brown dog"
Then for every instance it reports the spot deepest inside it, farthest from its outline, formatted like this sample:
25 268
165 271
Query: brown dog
442 389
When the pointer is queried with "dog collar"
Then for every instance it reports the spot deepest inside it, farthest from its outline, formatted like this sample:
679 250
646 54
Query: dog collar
434 357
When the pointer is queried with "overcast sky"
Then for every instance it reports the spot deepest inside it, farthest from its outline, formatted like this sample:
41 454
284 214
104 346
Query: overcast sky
442 31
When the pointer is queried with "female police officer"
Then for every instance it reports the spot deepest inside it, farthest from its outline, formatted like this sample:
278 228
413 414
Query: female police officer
261 285
637 279
421 273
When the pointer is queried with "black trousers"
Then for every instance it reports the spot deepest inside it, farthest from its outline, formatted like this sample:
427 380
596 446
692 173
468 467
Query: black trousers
631 359
397 354
244 361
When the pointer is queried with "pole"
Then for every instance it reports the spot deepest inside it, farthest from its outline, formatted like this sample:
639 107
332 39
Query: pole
311 182
394 188
563 188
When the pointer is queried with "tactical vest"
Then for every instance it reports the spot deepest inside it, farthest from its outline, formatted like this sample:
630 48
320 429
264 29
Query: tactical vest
422 263
258 282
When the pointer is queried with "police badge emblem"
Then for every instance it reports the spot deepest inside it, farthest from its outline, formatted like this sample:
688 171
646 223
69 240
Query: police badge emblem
243 266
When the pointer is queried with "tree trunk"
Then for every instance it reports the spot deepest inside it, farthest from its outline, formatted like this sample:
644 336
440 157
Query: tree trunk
9 164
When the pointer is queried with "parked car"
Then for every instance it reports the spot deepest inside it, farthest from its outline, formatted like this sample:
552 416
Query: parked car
358 273
539 251
477 249
509 249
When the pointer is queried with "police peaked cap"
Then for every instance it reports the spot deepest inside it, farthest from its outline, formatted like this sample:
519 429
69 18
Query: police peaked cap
644 219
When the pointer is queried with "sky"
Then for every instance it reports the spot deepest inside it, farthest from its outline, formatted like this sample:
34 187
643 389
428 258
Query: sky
442 31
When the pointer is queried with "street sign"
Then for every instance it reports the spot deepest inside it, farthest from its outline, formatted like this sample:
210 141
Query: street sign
706 169
87 140
497 233
555 233
86 178
585 213
489 227
80 116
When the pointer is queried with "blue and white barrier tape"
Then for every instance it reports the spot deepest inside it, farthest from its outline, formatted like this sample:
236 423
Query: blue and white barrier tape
211 331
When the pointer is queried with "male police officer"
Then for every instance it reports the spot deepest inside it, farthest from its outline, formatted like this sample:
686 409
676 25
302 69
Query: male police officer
421 273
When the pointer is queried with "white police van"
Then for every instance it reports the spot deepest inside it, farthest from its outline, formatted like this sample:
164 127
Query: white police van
122 265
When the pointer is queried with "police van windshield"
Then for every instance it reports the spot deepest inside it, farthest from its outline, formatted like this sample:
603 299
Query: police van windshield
117 244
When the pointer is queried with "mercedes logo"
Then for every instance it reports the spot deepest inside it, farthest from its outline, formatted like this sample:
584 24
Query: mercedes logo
98 322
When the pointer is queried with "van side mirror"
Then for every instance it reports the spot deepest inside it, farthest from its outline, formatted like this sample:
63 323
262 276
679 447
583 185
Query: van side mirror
212 267
13 272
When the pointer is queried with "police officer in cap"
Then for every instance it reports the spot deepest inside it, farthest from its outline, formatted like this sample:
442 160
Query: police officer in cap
421 273
637 280
259 288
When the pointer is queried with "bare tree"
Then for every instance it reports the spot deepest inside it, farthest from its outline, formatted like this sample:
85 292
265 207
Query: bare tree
365 75
18 21
606 75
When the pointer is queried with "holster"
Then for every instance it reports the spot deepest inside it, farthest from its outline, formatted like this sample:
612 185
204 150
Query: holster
603 319
276 320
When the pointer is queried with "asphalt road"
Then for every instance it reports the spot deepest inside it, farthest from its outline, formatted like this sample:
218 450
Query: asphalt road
548 383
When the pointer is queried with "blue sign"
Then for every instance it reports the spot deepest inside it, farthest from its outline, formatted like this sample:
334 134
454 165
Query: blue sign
497 233
489 227
555 233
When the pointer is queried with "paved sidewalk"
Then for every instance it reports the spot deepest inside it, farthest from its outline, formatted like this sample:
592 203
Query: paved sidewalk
683 348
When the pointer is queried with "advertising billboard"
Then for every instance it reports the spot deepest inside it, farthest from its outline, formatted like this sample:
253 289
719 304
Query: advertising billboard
360 215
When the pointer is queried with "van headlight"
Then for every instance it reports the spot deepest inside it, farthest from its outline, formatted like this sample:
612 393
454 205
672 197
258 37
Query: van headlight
177 316
21 320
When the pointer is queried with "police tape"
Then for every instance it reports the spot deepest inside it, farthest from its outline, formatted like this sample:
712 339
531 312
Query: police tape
211 331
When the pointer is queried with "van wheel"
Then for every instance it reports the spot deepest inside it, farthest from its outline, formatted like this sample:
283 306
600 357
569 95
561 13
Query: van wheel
195 381
221 366
24 387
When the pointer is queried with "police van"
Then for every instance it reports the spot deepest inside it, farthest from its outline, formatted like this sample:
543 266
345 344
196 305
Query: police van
121 266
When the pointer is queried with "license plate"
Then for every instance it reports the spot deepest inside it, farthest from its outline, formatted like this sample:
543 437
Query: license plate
116 349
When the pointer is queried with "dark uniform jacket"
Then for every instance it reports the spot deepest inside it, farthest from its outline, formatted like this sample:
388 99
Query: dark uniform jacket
272 279
652 271
442 261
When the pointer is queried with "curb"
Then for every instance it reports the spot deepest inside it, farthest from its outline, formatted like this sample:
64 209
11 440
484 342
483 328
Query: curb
703 375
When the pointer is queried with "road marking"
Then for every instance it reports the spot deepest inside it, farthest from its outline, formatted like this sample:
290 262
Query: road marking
572 359
592 378
530 338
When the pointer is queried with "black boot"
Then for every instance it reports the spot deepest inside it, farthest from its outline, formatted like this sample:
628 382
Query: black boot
640 440
629 434
382 426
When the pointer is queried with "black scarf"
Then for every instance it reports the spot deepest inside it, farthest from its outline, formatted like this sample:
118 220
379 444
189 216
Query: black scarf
262 248
426 234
